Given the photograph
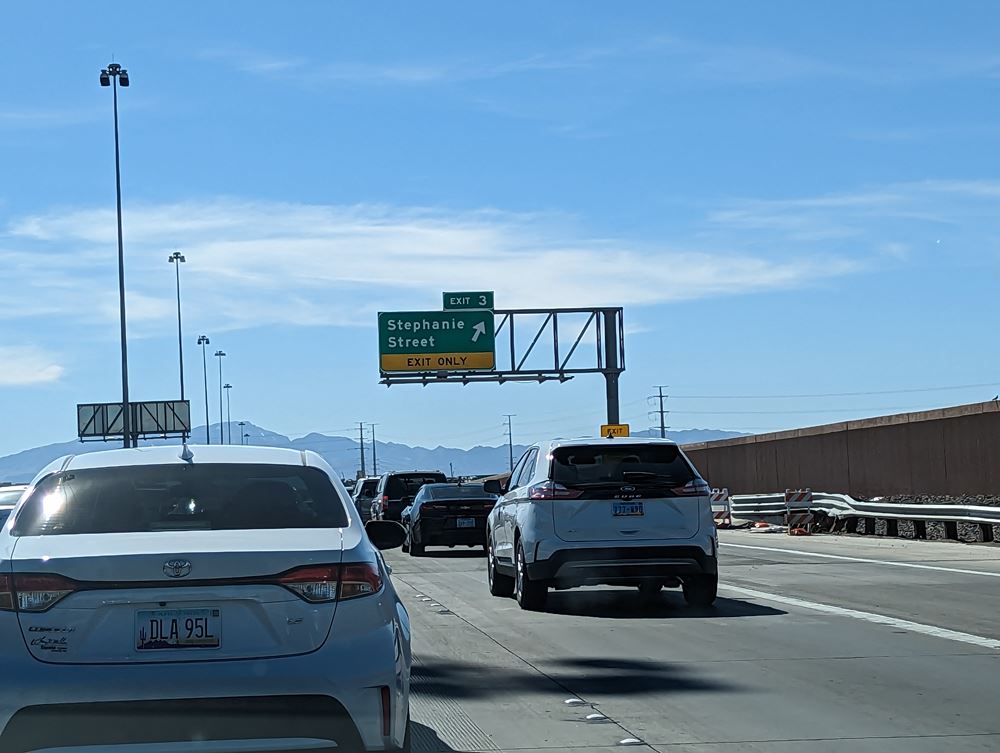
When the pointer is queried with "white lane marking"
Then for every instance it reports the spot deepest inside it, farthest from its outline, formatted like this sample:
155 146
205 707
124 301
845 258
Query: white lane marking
726 545
878 619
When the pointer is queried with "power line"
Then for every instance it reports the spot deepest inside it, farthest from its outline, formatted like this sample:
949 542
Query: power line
839 394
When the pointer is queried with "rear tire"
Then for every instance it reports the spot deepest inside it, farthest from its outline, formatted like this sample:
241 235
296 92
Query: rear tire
406 544
531 595
700 590
416 550
500 584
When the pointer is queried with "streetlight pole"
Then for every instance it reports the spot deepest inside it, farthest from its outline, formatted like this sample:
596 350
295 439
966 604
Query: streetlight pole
242 433
111 76
229 414
203 341
220 354
177 258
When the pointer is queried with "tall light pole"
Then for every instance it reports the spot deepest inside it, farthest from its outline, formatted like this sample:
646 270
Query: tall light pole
220 354
229 414
177 258
203 341
243 435
112 76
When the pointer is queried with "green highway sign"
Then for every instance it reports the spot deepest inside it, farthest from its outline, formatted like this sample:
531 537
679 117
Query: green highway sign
476 300
436 340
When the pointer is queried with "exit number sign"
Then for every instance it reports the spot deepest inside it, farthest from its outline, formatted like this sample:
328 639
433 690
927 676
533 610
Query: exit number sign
475 300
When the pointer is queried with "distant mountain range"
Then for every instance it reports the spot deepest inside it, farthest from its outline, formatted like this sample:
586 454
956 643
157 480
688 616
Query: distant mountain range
340 452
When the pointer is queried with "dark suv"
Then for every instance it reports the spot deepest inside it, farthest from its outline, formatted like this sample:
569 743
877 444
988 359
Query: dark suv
397 489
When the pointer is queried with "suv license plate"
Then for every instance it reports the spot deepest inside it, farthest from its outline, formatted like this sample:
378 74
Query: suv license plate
626 509
177 628
466 523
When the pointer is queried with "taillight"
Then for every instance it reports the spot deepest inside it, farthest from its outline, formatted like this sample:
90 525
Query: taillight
324 583
361 579
385 503
6 594
694 488
314 584
33 592
552 490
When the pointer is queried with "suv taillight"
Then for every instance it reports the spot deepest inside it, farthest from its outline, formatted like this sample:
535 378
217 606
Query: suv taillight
694 488
33 592
552 490
325 583
385 502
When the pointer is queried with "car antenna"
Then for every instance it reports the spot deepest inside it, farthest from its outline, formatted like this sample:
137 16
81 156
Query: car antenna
186 454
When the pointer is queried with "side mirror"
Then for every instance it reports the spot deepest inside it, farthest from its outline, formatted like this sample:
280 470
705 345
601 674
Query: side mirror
385 534
495 486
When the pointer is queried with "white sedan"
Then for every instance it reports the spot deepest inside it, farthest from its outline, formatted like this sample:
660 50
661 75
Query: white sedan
204 598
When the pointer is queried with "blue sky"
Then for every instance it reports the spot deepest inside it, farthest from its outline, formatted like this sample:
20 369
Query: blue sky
789 199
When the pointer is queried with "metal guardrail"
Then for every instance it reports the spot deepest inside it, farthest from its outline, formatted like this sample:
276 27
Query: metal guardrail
844 506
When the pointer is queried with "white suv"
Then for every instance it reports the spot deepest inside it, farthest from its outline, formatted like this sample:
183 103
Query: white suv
623 512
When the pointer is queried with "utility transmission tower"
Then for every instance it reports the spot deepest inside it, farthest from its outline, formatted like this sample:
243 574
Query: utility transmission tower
661 411
374 452
510 438
361 441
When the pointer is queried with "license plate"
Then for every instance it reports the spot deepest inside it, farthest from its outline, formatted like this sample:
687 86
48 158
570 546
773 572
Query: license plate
466 522
626 509
177 628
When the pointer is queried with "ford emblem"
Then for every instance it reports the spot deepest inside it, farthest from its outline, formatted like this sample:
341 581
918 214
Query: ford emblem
176 568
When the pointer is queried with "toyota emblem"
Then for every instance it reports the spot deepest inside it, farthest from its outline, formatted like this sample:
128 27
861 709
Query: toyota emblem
176 568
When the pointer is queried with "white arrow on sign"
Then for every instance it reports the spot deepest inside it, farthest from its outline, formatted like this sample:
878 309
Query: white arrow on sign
477 330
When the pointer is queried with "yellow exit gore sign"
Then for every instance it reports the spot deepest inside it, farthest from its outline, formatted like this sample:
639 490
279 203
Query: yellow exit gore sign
614 430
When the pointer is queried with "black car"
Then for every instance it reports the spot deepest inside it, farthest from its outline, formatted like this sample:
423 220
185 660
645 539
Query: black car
447 515
397 489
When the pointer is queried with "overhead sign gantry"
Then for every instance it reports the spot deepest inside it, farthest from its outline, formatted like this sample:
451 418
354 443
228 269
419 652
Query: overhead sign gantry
473 342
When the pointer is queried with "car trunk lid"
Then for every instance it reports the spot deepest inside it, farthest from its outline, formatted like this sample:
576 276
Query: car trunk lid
171 595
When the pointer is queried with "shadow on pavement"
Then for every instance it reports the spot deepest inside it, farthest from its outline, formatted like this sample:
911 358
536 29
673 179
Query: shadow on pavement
630 605
456 553
426 740
451 678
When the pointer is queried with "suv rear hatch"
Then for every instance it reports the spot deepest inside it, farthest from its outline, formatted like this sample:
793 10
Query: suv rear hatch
177 563
618 491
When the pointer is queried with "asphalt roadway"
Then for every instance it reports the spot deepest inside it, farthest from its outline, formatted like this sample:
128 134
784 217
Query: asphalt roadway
817 644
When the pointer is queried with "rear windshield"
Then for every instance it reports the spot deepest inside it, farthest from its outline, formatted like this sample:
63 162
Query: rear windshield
5 513
621 463
454 491
408 484
181 497
367 488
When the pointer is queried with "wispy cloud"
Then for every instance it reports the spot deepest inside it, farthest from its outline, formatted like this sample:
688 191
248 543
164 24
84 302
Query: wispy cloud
252 263
27 365
892 220
46 117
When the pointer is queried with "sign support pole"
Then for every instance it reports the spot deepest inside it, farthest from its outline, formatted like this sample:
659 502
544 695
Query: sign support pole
611 366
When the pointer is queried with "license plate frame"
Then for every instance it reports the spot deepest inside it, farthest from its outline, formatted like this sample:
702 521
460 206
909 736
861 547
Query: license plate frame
629 509
172 630
465 523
